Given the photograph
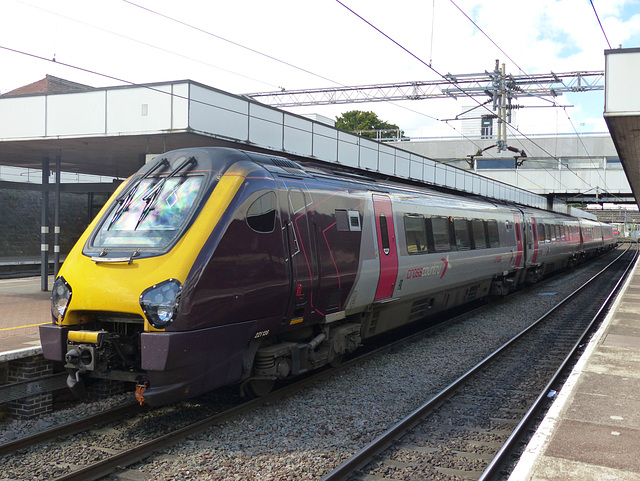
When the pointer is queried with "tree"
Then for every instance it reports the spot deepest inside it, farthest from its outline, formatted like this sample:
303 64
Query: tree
367 124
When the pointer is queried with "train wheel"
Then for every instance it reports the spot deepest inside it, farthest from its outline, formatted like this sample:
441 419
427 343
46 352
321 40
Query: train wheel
259 387
336 360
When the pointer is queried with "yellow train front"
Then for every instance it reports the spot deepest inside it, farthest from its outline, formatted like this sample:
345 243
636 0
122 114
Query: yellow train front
132 301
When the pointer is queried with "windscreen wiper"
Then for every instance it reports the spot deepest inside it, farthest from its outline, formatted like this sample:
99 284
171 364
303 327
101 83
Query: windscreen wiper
152 196
125 199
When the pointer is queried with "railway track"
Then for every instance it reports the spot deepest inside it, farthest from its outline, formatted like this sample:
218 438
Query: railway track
467 431
88 442
232 407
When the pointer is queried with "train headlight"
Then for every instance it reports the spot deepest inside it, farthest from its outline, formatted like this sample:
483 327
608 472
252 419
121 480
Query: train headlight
60 298
160 303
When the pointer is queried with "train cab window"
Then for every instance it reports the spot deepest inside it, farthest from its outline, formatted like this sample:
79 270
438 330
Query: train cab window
151 214
479 235
461 228
415 233
541 233
441 234
493 233
261 216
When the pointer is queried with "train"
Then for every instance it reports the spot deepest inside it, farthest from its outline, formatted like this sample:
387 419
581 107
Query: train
214 267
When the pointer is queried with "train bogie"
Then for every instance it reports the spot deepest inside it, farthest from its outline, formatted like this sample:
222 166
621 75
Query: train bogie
212 267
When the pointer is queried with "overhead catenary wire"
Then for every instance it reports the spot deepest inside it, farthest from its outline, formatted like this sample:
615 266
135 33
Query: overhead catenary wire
462 91
600 23
209 33
239 45
141 42
206 32
554 103
170 18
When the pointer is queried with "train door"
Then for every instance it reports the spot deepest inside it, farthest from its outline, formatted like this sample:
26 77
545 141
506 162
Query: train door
519 242
295 204
386 245
534 237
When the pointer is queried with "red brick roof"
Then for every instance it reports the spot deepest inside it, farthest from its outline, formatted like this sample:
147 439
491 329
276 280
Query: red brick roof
49 84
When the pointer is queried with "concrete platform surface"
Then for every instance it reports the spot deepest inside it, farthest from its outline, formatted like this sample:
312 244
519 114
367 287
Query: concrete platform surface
592 431
23 307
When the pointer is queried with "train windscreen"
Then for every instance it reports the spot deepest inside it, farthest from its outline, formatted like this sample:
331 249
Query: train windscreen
150 215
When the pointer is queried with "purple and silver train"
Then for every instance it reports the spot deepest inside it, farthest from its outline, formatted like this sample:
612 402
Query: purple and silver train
213 267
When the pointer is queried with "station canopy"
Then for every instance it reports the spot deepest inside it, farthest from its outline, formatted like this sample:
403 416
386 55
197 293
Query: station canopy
112 131
622 109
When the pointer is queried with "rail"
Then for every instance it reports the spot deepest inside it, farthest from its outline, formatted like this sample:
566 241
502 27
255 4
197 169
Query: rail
363 457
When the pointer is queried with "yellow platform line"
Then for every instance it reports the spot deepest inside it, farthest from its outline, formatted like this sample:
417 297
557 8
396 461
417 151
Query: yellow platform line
21 327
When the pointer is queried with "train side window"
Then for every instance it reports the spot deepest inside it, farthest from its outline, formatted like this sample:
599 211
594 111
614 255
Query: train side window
415 233
541 233
441 234
261 215
479 235
494 234
463 240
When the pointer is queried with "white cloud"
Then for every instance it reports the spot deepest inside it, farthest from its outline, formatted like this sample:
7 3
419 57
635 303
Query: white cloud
320 37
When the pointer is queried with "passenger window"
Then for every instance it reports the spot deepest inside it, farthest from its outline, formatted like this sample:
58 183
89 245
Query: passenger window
541 233
261 216
441 236
494 235
479 236
461 228
414 228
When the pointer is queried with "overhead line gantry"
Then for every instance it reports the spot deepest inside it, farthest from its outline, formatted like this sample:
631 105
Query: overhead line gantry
452 86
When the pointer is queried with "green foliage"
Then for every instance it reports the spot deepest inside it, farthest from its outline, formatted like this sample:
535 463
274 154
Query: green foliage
365 124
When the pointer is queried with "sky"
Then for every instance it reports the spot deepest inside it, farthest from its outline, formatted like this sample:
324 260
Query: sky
247 46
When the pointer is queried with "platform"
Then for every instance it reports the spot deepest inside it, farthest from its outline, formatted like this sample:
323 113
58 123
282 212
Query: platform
23 307
592 431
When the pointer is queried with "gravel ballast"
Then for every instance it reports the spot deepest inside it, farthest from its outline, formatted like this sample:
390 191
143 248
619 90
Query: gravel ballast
308 434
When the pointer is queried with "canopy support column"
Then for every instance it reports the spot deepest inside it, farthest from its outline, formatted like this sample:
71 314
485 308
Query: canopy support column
56 231
44 227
